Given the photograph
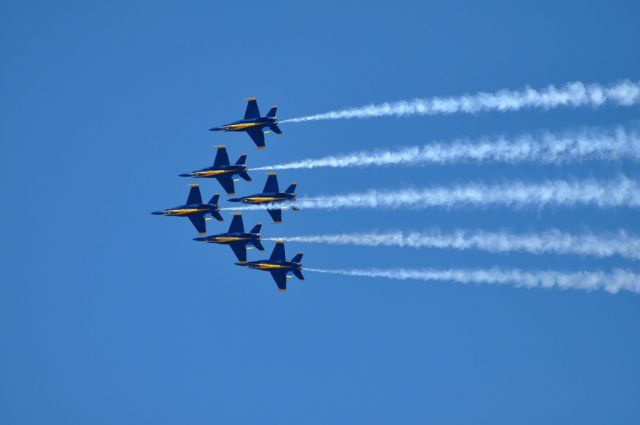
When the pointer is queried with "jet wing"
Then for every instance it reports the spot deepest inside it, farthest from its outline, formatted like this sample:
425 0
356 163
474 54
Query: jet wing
257 136
240 250
271 186
237 225
194 195
281 279
222 159
226 182
198 222
252 110
276 215
278 252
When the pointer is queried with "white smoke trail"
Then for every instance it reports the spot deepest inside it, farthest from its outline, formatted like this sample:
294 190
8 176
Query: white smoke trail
623 93
619 192
552 241
549 148
589 281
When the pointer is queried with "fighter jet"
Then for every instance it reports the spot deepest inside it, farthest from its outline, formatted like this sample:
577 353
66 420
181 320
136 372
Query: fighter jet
271 195
253 123
237 238
195 210
278 266
222 171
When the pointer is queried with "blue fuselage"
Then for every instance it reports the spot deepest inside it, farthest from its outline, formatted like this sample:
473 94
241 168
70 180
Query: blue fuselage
230 238
265 198
187 210
213 172
245 125
269 266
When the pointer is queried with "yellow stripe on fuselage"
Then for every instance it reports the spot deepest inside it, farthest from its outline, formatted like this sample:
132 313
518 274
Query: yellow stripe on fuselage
185 211
229 239
210 173
261 199
267 266
241 126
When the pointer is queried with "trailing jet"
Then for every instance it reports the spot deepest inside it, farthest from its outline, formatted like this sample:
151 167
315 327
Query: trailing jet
278 266
195 210
222 171
237 238
253 123
271 195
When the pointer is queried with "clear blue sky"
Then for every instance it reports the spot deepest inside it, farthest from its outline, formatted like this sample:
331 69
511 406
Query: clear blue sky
109 315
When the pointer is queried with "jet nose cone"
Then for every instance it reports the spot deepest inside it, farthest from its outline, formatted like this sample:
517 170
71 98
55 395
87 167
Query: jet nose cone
234 199
241 263
185 175
200 238
158 213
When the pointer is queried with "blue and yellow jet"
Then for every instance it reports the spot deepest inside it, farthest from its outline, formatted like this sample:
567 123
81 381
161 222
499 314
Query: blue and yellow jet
271 195
253 123
223 171
195 210
237 238
278 266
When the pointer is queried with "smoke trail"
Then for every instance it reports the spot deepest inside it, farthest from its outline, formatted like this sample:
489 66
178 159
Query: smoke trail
588 281
552 241
619 192
574 94
549 148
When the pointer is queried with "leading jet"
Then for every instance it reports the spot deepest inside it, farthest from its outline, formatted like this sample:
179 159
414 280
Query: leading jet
237 238
253 123
223 171
278 266
271 195
195 210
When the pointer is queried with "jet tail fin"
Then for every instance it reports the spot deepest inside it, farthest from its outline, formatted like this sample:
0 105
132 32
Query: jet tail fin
298 274
272 112
275 128
297 258
242 160
291 188
256 228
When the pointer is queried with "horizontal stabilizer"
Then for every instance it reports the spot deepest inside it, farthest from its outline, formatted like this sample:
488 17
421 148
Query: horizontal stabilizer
214 199
245 176
297 258
291 188
275 128
258 245
242 160
215 214
298 274
272 112
256 229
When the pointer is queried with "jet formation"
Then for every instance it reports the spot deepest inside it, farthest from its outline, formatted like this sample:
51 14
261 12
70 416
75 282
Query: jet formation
271 198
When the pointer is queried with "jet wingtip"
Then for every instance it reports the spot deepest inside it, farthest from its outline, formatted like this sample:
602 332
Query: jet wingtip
251 99
194 185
